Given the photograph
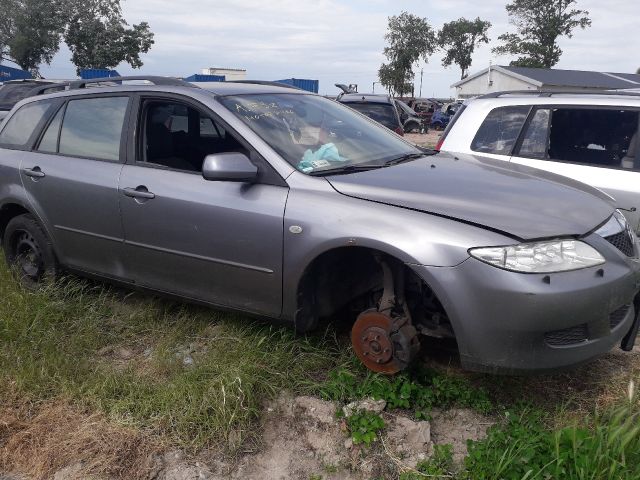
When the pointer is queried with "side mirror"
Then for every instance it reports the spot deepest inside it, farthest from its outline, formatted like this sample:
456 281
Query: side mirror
231 167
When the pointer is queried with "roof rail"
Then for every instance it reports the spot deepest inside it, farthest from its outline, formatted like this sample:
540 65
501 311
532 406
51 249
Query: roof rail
264 82
44 89
156 80
564 91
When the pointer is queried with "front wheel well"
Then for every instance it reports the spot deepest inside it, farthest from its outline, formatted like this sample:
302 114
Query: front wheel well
351 280
7 213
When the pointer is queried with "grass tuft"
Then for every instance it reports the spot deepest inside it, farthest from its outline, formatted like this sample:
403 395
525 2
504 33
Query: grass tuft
192 374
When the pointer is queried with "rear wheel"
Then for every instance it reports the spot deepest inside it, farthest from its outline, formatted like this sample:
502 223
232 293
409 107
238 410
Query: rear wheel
28 251
384 344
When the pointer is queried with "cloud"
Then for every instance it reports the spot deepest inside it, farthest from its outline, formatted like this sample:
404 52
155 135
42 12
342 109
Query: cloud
342 41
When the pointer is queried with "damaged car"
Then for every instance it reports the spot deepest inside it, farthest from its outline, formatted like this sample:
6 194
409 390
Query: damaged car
286 205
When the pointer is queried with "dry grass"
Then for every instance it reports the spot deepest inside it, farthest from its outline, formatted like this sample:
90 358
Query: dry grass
39 440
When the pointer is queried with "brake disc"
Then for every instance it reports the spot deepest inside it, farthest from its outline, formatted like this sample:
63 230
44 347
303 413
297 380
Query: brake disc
384 344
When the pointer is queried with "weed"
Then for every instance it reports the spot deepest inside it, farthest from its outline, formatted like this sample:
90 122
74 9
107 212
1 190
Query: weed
440 465
364 426
605 446
419 390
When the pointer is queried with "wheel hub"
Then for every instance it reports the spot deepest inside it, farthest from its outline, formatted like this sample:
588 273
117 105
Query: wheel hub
29 256
384 344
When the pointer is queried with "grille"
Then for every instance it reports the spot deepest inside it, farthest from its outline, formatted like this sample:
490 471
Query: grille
616 317
567 336
622 241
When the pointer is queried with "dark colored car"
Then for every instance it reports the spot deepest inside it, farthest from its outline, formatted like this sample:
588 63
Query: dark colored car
424 108
411 121
381 108
13 91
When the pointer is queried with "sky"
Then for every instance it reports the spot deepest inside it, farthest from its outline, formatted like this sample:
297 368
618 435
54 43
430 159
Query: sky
342 41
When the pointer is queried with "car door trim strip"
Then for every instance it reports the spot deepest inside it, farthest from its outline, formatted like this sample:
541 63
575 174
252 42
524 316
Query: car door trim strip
90 234
200 257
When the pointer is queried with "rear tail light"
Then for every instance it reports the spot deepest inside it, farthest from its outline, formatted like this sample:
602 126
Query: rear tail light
439 144
399 131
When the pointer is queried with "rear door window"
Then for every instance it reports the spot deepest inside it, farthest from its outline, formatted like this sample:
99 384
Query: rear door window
22 124
603 137
500 130
92 127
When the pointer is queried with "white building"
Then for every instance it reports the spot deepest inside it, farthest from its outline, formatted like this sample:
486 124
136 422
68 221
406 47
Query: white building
230 74
500 78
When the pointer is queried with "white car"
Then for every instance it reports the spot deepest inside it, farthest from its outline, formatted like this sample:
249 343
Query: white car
589 137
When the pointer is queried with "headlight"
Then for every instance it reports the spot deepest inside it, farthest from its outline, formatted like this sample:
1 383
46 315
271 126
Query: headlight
540 257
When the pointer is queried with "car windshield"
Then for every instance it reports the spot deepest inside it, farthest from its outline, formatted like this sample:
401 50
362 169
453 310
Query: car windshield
315 134
12 93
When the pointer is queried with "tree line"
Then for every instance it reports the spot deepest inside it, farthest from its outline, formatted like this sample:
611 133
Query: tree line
94 30
538 26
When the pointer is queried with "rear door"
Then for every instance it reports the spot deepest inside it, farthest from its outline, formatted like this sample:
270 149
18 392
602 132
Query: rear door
220 241
594 145
71 177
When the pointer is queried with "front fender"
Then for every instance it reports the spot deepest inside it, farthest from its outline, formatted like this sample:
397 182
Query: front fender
319 220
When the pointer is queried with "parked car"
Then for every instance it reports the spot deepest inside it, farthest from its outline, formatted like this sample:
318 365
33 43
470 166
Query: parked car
411 122
381 108
589 137
281 203
441 117
12 91
424 108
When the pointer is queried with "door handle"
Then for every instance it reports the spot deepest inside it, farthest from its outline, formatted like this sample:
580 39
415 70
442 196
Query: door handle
34 172
139 192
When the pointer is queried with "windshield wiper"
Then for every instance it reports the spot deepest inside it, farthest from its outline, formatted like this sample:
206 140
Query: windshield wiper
408 157
345 169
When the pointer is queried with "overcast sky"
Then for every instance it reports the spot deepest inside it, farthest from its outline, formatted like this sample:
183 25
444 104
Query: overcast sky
341 41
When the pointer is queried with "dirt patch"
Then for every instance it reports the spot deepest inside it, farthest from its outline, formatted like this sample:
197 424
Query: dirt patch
66 443
301 438
456 426
428 140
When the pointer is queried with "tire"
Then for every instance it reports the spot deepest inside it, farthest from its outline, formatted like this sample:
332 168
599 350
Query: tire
29 252
411 127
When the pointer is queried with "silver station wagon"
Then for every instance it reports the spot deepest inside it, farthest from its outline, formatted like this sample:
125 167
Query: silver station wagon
284 204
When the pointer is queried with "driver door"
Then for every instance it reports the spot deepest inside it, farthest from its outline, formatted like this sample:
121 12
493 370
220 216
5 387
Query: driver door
215 241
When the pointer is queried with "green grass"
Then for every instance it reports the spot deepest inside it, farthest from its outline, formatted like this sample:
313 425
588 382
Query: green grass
67 342
51 342
601 446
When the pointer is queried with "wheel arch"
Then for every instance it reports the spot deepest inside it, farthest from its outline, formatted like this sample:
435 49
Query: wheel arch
341 260
8 211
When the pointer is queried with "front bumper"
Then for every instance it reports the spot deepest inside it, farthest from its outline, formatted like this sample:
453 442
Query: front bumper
513 322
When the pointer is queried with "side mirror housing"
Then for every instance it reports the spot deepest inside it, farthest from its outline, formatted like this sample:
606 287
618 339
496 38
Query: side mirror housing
230 167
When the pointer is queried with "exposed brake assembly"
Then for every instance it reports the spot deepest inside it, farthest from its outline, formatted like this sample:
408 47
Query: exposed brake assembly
384 338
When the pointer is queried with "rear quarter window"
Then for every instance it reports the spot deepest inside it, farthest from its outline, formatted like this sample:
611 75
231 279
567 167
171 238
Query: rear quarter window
21 126
500 130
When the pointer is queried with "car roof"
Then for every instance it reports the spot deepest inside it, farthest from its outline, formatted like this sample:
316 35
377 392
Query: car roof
556 97
364 97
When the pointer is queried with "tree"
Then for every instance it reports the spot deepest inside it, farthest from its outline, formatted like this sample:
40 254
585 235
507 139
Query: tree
397 81
99 37
539 24
409 38
459 39
30 31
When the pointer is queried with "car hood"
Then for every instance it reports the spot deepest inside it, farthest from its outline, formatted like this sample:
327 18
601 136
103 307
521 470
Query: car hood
520 201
